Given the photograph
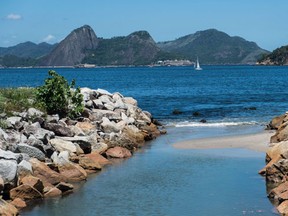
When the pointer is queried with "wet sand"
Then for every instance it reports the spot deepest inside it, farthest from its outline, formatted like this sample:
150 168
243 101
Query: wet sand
256 142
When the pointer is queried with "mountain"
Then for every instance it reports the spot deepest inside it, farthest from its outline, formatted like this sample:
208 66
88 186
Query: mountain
277 57
138 48
28 50
73 48
82 46
214 47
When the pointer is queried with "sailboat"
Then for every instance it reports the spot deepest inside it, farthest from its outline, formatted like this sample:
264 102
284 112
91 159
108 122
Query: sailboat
197 66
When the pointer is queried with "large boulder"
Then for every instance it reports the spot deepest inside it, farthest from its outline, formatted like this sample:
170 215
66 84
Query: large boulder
33 182
8 166
47 175
98 158
25 192
24 169
86 163
73 172
31 151
38 132
118 152
63 145
59 129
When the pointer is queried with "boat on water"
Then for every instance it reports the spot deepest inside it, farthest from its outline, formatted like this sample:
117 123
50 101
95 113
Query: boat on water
197 65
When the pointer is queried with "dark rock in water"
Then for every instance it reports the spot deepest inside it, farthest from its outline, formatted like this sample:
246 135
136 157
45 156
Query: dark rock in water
156 122
195 114
177 112
203 120
250 108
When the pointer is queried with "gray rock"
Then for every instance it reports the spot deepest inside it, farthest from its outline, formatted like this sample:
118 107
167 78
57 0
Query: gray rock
8 170
130 100
53 118
63 145
59 129
34 113
83 142
31 151
3 135
109 126
103 92
24 168
38 132
13 120
7 155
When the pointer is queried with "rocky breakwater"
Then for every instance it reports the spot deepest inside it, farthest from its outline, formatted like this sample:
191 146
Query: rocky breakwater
42 155
276 169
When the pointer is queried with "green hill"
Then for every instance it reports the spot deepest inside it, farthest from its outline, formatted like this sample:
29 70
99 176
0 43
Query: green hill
277 57
214 47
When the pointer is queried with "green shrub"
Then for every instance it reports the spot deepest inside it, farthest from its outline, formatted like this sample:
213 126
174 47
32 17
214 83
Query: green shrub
58 97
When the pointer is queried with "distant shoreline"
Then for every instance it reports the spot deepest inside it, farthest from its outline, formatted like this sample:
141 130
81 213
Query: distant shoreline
257 142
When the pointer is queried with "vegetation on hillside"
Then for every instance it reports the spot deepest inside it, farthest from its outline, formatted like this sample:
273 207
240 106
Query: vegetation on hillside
278 57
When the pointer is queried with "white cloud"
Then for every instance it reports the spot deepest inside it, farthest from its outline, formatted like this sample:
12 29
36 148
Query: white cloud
13 16
49 38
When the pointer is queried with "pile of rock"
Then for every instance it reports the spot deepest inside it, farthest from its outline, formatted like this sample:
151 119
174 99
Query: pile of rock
276 169
41 155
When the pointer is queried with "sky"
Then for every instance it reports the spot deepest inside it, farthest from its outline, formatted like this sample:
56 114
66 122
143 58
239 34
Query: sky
261 21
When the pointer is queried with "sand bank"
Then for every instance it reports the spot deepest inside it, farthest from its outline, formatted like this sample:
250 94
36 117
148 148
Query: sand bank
257 142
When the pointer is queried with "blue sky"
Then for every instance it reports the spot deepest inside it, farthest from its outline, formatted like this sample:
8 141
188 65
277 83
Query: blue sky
261 21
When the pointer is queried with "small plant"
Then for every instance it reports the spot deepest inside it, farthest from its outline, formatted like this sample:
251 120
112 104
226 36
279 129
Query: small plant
58 97
17 100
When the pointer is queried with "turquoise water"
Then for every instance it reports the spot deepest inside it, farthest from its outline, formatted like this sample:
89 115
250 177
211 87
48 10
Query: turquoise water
161 180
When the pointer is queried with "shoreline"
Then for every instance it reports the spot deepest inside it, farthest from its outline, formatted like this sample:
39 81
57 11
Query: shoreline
256 142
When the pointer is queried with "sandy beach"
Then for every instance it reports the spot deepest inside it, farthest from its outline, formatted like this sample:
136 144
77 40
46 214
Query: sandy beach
256 142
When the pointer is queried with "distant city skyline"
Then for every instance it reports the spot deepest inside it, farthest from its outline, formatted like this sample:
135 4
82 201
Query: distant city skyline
263 22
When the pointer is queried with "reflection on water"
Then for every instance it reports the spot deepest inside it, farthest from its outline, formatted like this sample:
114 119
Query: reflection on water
161 180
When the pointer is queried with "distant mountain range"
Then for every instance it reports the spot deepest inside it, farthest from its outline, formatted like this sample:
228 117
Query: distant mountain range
83 46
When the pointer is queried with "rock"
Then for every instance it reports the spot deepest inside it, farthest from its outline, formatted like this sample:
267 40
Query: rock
33 113
86 127
3 135
52 118
58 129
7 209
76 130
73 172
25 192
33 182
99 147
109 126
118 152
64 187
276 122
8 170
53 192
63 145
24 168
82 141
13 120
1 184
86 163
19 203
176 112
7 155
43 172
31 151
281 135
283 208
103 92
130 100
98 158
38 132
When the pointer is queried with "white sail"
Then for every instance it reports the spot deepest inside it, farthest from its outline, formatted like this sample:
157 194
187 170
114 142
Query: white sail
198 65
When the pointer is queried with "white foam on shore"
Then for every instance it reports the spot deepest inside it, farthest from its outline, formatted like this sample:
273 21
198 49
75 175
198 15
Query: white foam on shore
212 124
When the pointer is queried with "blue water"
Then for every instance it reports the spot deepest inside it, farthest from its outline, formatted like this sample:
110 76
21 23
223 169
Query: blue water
218 93
162 180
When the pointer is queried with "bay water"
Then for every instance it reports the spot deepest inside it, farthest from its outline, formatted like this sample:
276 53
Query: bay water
162 180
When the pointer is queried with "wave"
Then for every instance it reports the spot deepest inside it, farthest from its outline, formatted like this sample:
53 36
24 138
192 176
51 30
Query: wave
210 124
